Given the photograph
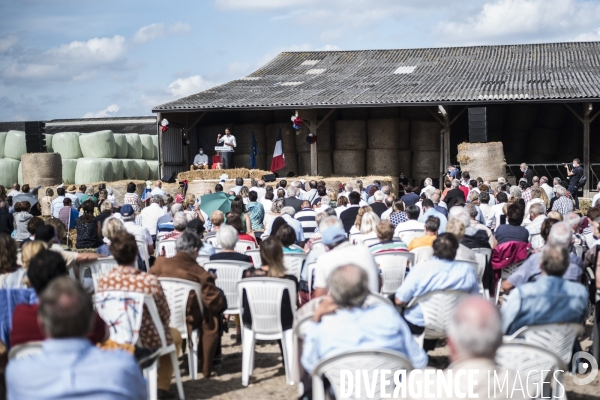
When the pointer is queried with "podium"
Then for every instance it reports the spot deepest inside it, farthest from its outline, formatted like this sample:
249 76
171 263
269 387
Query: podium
224 149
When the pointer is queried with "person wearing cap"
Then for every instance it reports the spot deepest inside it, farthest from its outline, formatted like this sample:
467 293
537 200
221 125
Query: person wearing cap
341 252
71 194
141 234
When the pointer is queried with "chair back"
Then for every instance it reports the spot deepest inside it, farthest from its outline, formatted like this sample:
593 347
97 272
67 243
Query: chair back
25 350
264 302
557 338
229 273
310 269
479 268
437 307
255 256
318 245
293 263
97 268
212 240
393 269
177 291
508 271
380 359
202 259
370 241
168 246
409 235
422 254
483 250
244 245
354 238
143 252
122 312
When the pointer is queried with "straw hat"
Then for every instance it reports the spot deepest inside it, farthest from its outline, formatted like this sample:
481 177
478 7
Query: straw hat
72 189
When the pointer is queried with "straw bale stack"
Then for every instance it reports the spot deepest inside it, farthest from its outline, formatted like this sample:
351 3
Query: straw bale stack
482 159
324 166
243 137
382 162
349 162
405 162
390 133
425 164
350 135
425 136
43 169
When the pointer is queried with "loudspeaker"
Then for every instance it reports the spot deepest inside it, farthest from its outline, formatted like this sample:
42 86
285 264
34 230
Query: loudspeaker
169 179
478 124
269 178
35 140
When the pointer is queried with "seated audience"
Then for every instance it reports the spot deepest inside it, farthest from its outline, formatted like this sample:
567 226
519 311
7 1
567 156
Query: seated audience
180 222
165 223
432 225
385 234
131 198
457 228
397 216
150 215
562 203
430 211
22 217
197 227
287 236
256 212
513 231
477 235
217 218
87 233
537 216
235 221
110 228
411 225
227 237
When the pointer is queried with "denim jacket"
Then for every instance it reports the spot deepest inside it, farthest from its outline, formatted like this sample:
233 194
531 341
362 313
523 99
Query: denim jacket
548 300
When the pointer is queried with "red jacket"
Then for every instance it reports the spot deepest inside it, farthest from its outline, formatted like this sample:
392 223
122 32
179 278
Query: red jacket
508 253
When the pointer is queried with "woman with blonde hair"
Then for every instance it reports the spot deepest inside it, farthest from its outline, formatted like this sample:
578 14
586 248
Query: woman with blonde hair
358 221
244 192
368 225
273 213
29 250
110 228
342 205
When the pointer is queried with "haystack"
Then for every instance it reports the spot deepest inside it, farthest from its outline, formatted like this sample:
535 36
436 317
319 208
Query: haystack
43 169
485 160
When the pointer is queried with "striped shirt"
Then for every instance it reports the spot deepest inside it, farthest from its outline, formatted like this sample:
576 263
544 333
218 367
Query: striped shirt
563 205
307 218
388 246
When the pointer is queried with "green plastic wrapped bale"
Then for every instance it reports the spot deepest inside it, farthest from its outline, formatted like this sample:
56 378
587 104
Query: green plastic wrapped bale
128 169
91 170
153 168
67 144
117 166
121 144
134 146
2 141
20 173
9 171
147 147
99 144
68 170
14 146
142 171
49 143
155 142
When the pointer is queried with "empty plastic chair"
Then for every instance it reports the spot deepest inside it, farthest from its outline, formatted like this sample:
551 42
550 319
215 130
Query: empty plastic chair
393 269
229 273
293 263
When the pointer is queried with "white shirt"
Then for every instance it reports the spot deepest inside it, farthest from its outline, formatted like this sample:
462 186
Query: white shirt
150 216
340 209
310 195
74 200
201 159
56 206
595 199
409 225
344 254
267 204
486 211
386 214
426 188
228 140
260 192
534 228
141 234
13 193
158 192
550 192
494 216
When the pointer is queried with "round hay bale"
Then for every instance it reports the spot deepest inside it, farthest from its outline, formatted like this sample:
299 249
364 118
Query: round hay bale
350 135
324 166
425 136
49 143
90 170
243 137
68 170
242 160
425 164
99 144
392 133
542 140
118 171
353 113
384 112
153 172
323 138
405 162
9 171
551 116
482 159
2 141
382 162
521 116
147 147
134 146
155 144
42 169
14 145
121 145
252 117
67 144
291 164
349 163
288 137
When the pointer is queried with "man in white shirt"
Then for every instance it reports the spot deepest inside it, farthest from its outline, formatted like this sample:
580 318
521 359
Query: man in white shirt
412 225
548 189
259 189
141 234
57 203
312 193
158 191
200 161
227 140
428 185
151 214
537 215
389 201
16 189
496 211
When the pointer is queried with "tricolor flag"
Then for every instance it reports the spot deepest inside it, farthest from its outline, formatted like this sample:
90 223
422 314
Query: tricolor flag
278 160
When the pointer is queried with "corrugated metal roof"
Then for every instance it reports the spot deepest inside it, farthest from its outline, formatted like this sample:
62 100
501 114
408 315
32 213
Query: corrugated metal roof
142 125
553 71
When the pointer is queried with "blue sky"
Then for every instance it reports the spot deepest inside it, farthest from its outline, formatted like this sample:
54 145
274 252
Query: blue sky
78 58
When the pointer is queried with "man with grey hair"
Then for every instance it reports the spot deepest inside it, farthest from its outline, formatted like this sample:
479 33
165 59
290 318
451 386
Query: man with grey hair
227 237
179 224
574 222
550 299
563 204
389 202
291 200
437 203
259 189
547 188
348 188
377 326
454 195
378 206
151 214
537 215
477 235
561 236
428 184
288 213
158 191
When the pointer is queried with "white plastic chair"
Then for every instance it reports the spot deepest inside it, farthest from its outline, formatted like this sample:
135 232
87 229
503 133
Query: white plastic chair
422 254
25 350
408 235
393 269
523 358
504 274
310 268
143 252
483 250
229 273
168 246
370 241
212 240
437 308
244 245
202 259
264 301
293 263
124 325
97 268
479 268
255 256
177 292
369 360
354 238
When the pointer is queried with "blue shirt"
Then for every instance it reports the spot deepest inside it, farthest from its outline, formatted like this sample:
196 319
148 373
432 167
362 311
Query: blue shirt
378 326
548 300
530 270
294 223
75 369
432 212
431 275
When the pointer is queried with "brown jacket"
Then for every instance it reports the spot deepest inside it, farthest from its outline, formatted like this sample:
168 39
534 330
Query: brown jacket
184 266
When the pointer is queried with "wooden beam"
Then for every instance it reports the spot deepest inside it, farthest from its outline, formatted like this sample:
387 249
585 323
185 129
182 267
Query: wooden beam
189 127
586 145
326 116
159 133
594 117
574 112
434 115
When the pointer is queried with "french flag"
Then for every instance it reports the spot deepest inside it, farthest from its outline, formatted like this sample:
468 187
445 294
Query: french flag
278 160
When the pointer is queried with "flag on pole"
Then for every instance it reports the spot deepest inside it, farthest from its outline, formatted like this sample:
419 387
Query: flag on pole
278 160
253 151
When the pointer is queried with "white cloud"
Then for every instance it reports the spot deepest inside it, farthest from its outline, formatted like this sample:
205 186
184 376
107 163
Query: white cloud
589 37
106 113
7 42
259 4
159 30
187 86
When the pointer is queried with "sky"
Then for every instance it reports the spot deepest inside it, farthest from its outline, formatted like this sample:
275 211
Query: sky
96 59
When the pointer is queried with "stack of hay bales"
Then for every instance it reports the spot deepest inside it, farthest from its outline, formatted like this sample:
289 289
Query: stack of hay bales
388 150
350 145
288 137
243 138
484 160
67 145
324 167
12 148
42 169
425 145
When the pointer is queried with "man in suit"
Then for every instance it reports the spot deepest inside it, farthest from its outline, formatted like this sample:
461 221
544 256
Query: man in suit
348 216
454 195
528 174
291 200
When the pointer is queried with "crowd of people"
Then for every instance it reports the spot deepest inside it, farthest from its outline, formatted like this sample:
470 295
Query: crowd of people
340 230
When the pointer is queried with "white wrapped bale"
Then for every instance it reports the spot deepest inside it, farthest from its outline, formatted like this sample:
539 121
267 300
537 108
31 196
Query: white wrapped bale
68 170
2 141
152 169
90 170
155 143
9 171
141 170
121 145
20 173
128 169
147 147
134 146
117 166
14 146
67 144
99 144
49 148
